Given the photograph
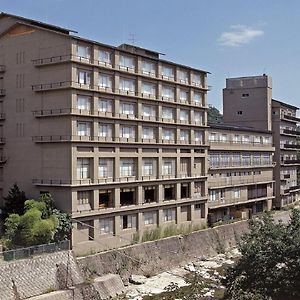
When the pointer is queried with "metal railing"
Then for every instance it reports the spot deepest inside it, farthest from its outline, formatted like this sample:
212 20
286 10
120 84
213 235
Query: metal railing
35 250
253 143
216 182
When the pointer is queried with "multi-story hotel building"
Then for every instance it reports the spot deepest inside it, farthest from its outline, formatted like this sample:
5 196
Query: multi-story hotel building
115 134
240 181
247 101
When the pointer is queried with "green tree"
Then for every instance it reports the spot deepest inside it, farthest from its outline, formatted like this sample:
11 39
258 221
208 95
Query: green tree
270 264
14 201
214 115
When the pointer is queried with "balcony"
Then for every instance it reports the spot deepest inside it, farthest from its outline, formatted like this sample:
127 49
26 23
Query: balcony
291 162
294 188
241 165
236 181
291 118
291 146
293 132
223 144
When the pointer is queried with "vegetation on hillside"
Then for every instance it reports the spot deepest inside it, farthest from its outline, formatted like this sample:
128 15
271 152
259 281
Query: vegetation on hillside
214 115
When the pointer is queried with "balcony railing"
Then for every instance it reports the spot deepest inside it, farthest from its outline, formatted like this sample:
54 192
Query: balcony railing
232 201
236 180
295 188
289 131
291 146
291 118
241 165
291 161
241 143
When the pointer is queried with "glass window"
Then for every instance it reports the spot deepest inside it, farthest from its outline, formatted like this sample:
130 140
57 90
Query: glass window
184 135
148 111
126 62
106 226
105 57
168 92
150 217
236 193
127 132
198 136
148 133
83 128
83 168
105 81
168 134
198 98
184 115
105 105
168 72
213 195
127 85
84 51
184 76
184 95
127 167
84 77
105 130
148 88
83 102
106 167
148 68
198 117
128 221
148 168
169 214
167 167
127 108
197 79
168 113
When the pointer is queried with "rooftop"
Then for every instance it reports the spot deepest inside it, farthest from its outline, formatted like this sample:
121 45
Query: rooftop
226 126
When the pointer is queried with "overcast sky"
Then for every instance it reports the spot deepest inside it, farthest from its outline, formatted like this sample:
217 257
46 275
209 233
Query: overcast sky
229 38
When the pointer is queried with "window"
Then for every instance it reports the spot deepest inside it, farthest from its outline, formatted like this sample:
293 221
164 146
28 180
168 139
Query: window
184 135
127 132
212 137
245 95
167 167
127 108
183 76
168 134
198 117
105 105
148 68
183 95
148 133
240 112
105 130
148 167
213 195
196 79
198 136
236 193
105 81
105 169
106 225
198 98
83 128
83 168
168 113
237 138
184 115
83 200
168 92
150 218
126 62
169 214
127 167
83 102
148 88
167 72
128 221
84 51
105 57
148 111
127 85
84 77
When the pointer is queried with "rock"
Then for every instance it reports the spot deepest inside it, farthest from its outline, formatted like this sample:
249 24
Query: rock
209 264
190 268
208 294
137 279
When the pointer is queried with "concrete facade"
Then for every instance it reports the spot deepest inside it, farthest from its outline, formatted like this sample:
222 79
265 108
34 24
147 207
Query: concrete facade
240 176
248 101
115 134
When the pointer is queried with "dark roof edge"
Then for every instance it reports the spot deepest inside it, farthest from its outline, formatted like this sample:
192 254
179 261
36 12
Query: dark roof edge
39 23
285 104
224 126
